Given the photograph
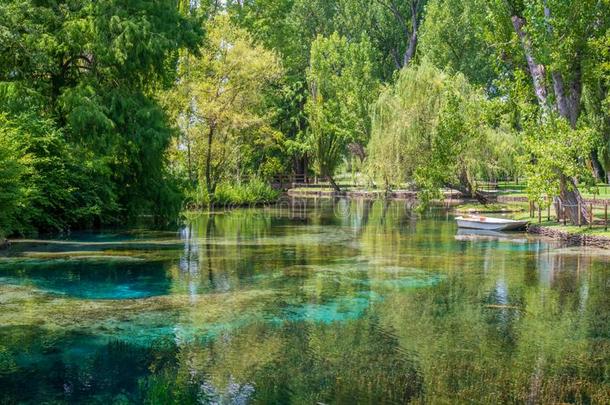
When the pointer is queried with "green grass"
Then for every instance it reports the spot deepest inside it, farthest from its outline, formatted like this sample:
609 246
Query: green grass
490 208
603 192
597 230
575 230
510 189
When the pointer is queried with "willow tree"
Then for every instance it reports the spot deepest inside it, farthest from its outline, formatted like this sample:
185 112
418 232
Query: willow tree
220 92
342 89
429 129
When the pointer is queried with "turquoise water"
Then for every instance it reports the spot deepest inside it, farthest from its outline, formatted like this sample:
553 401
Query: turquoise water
331 302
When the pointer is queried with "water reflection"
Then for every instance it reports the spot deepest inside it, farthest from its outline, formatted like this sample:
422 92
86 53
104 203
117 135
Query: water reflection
312 301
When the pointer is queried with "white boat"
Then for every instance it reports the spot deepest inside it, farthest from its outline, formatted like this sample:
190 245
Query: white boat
490 224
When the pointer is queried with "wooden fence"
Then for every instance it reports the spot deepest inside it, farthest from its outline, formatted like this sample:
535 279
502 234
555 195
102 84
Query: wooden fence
596 213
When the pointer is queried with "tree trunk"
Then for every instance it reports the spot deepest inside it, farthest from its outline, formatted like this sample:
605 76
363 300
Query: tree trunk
410 52
332 183
568 106
411 34
299 165
597 168
208 163
537 71
572 201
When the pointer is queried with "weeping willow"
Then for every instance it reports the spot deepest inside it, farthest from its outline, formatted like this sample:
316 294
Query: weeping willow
429 130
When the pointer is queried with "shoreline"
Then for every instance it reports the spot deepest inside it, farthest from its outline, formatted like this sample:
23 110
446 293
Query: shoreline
572 239
366 194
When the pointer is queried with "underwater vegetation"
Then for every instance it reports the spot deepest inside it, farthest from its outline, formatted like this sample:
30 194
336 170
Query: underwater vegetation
251 307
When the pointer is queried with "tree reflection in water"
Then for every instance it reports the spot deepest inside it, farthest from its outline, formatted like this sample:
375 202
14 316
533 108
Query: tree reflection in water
339 302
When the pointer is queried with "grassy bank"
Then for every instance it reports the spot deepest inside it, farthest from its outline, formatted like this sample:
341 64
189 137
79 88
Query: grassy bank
511 189
520 211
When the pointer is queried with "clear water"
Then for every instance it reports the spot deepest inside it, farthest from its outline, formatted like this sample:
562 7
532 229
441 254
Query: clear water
332 302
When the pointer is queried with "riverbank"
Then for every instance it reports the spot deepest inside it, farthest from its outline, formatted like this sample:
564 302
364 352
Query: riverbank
513 206
574 237
305 192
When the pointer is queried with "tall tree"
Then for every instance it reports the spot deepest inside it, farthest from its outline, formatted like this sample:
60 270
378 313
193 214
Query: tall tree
554 36
91 70
343 87
288 27
220 94
430 128
408 16
12 169
452 37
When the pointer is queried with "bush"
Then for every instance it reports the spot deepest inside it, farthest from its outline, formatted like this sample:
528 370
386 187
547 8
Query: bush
12 191
255 191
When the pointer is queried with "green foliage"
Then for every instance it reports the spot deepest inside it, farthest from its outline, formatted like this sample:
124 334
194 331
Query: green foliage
253 192
219 106
58 187
386 23
597 94
431 128
93 94
78 82
453 38
12 169
343 87
555 151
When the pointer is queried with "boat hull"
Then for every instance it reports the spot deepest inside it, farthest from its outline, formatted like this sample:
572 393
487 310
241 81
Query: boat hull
491 226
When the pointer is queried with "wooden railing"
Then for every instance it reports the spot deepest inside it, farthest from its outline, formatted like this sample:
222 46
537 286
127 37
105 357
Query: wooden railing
596 213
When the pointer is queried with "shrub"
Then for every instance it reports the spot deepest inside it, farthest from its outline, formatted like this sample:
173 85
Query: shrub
255 191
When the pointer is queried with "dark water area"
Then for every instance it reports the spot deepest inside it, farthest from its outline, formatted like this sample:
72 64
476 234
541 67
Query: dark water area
325 302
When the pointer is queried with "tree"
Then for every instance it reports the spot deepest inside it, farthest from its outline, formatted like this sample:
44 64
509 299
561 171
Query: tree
220 94
407 16
12 169
87 74
596 92
452 37
555 39
430 128
288 27
342 89
554 147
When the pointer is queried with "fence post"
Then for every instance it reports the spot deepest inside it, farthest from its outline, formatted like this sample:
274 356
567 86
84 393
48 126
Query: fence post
606 216
579 214
548 209
564 215
539 214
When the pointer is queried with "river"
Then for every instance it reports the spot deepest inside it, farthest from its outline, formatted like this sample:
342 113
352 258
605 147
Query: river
326 302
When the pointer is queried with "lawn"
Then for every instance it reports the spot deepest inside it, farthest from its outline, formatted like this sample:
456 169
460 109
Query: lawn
512 189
